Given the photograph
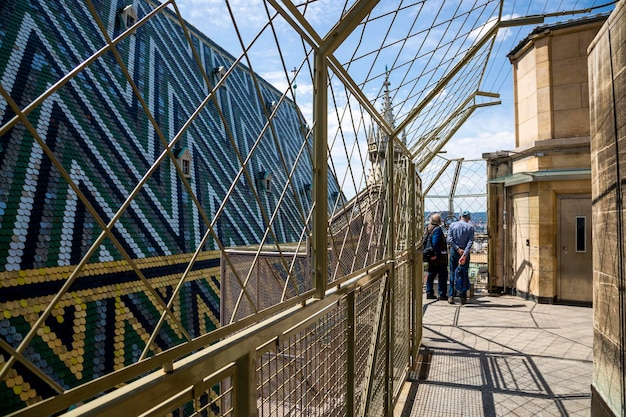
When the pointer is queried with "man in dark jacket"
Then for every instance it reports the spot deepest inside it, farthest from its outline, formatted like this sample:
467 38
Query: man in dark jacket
437 264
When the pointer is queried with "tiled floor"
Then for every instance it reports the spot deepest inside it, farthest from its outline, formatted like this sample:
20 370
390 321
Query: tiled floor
501 356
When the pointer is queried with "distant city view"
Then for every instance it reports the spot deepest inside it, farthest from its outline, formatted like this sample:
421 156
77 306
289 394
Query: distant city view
479 219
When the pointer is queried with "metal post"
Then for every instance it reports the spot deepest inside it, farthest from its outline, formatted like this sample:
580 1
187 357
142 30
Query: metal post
455 182
320 177
350 351
245 386
416 266
391 252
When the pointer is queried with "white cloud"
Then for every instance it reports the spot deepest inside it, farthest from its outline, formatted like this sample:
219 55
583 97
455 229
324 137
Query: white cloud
472 147
482 30
215 12
503 33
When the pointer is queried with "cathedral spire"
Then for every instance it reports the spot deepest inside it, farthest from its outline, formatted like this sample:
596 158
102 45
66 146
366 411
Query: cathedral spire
387 110
377 138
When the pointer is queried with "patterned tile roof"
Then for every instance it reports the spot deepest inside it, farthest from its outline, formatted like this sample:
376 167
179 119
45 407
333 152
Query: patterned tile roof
95 127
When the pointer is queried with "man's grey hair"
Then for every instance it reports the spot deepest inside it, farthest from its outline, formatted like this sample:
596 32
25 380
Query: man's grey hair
435 218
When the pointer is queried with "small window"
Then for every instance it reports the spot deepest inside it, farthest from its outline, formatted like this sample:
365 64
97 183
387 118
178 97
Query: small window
183 158
271 105
264 180
127 16
219 73
581 234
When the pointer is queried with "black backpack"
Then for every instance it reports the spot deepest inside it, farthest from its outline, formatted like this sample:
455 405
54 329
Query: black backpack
427 244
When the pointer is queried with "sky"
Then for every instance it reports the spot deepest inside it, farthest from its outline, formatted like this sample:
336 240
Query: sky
493 128
488 130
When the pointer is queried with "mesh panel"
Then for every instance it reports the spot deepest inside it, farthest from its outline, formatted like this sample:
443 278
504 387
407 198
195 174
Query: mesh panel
356 234
211 404
369 308
452 186
306 374
268 279
402 325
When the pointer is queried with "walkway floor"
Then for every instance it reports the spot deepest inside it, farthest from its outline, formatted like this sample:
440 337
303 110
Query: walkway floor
501 356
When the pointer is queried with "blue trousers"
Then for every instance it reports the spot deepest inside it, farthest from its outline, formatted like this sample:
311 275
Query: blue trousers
454 262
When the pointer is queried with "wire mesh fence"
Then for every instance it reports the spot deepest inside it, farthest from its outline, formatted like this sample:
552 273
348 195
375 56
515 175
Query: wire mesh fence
306 373
143 158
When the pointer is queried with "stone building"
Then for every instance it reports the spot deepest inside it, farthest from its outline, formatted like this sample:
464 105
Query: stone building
564 183
539 193
607 105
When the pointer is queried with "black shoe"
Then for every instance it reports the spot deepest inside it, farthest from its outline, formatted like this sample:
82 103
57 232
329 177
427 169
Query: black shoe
463 300
442 298
451 300
430 297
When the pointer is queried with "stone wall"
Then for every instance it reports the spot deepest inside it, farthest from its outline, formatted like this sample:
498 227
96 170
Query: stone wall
607 93
550 76
569 102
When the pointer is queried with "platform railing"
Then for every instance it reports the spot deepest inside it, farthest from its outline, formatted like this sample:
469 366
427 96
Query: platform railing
324 357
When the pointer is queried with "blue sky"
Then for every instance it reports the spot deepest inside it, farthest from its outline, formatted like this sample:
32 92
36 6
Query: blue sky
493 128
488 130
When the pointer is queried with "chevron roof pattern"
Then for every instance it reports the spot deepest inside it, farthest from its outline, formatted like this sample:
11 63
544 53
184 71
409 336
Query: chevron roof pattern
107 146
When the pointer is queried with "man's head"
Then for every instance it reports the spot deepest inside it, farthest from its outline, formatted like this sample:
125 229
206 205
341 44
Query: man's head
466 215
435 219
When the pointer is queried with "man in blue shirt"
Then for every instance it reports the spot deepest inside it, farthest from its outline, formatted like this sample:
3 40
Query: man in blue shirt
460 239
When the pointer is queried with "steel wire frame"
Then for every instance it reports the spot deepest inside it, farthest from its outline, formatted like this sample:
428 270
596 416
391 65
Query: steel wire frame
453 185
168 148
423 100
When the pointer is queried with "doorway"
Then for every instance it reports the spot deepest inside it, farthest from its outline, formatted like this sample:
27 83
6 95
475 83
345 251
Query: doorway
520 250
574 250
